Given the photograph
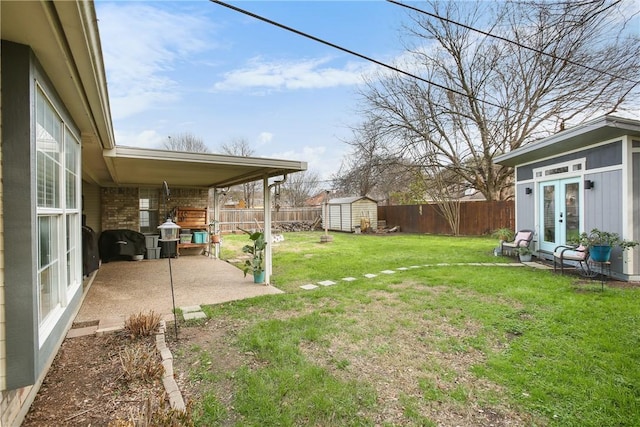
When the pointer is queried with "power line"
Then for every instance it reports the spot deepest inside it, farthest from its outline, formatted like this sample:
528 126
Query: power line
351 52
504 39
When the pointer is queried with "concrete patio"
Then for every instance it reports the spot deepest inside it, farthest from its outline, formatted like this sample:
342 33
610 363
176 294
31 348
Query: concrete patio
122 288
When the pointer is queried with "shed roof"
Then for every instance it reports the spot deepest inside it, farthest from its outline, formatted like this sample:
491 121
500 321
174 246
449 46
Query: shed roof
346 200
601 129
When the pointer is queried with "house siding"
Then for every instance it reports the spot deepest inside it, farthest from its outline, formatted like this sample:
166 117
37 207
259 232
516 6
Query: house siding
27 355
20 316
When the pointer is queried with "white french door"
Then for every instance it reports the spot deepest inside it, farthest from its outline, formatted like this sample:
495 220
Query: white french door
560 205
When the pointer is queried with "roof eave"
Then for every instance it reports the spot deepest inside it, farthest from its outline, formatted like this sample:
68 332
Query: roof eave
600 129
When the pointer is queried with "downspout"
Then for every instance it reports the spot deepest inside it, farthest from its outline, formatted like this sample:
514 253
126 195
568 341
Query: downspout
268 268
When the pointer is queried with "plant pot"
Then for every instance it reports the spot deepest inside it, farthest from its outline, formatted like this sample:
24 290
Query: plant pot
258 276
525 258
600 253
215 238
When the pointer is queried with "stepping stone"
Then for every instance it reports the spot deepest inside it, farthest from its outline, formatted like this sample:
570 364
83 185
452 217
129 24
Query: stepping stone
308 287
326 283
443 264
414 266
402 268
190 308
191 315
370 275
349 279
387 271
81 332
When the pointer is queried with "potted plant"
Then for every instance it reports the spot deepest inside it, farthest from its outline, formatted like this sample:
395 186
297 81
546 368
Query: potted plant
215 233
255 264
503 235
601 242
524 253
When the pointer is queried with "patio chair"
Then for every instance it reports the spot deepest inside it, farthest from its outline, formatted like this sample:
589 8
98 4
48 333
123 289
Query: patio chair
572 254
522 238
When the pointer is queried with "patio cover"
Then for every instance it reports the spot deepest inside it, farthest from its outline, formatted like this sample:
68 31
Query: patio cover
138 166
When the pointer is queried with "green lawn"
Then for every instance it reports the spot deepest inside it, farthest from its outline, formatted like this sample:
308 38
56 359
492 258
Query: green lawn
429 345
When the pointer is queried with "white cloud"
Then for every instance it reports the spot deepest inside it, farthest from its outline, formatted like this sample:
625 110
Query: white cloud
320 159
264 138
144 139
141 45
304 74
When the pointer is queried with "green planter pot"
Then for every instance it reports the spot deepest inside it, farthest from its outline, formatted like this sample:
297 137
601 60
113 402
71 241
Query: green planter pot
258 276
600 253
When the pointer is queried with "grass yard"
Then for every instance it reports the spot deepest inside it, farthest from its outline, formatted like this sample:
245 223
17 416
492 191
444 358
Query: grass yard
436 345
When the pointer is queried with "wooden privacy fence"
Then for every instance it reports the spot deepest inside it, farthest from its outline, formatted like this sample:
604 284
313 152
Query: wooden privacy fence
231 219
476 218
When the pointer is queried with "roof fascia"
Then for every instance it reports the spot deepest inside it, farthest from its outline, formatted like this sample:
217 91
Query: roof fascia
512 158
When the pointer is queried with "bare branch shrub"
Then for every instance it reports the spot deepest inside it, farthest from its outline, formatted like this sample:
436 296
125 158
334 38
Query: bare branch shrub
141 362
142 324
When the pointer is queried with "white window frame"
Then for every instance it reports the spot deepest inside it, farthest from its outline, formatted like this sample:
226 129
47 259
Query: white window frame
67 247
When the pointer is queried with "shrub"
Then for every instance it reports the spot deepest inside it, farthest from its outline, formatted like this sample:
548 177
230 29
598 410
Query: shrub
141 362
141 324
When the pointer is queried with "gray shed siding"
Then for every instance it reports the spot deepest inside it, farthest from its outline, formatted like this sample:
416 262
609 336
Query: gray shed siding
525 215
596 157
598 212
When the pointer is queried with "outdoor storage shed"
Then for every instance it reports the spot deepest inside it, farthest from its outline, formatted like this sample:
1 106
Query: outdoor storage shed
345 214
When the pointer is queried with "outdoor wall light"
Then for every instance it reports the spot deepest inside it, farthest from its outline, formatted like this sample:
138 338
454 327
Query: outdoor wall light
528 190
588 184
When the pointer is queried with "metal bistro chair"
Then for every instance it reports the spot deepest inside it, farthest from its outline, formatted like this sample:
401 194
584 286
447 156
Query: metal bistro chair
576 254
522 238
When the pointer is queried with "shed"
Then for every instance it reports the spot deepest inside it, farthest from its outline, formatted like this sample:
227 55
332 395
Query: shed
584 177
352 213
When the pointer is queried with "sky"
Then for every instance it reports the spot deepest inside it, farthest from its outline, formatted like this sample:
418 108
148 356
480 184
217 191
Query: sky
197 67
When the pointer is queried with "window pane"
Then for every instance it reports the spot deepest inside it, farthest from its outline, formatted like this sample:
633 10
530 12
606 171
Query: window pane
73 250
148 202
144 219
48 138
48 274
72 155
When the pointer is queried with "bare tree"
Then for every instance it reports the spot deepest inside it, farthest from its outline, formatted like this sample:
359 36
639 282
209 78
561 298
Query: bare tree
241 147
299 187
477 96
371 169
185 142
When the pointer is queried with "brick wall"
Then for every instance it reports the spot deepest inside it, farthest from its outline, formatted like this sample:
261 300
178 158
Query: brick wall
187 198
120 209
120 206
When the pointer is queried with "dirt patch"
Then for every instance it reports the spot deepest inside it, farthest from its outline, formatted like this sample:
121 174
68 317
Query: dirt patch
87 386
